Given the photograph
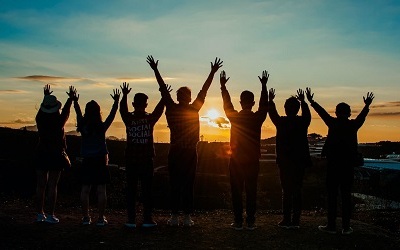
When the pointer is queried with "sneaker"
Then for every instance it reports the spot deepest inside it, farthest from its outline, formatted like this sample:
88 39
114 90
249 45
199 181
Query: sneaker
238 226
86 220
347 231
40 218
187 221
327 229
102 222
284 224
130 225
251 226
52 219
149 223
173 221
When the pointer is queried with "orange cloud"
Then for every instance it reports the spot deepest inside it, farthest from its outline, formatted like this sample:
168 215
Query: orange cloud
12 91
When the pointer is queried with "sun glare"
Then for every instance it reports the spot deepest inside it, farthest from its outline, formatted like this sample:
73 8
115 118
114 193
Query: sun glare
213 114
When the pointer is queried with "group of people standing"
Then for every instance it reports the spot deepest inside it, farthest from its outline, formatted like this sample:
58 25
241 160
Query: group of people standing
292 151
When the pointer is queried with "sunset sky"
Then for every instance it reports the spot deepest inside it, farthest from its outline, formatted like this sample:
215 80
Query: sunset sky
341 49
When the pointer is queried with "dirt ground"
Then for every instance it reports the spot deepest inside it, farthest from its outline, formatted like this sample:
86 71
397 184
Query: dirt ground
211 231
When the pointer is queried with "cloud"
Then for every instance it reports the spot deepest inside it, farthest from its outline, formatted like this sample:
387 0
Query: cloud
44 78
387 104
12 91
142 79
219 122
385 114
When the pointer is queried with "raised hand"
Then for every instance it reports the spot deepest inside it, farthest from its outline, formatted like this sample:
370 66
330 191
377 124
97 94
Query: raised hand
217 64
72 93
271 94
300 95
116 95
222 78
46 90
370 97
153 64
168 87
264 77
310 95
125 88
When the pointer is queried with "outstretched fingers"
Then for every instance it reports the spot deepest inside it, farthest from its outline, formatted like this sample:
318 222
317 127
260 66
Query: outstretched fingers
150 60
300 95
370 97
125 88
46 90
264 77
217 64
169 88
116 94
309 94
222 78
271 94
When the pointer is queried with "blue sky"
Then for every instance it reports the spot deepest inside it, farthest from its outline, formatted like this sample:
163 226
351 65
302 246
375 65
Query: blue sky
341 49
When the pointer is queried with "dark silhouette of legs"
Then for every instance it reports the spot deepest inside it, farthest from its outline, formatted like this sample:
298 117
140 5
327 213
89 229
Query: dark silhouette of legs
85 192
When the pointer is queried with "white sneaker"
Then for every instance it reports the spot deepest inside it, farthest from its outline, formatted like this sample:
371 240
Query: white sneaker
187 221
173 221
52 219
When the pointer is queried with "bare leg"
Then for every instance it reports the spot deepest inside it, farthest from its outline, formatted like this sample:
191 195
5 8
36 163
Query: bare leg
41 179
102 199
54 176
85 192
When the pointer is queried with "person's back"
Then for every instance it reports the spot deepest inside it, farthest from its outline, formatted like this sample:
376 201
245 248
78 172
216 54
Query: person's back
140 125
51 131
341 152
246 133
184 125
291 130
245 143
183 122
341 142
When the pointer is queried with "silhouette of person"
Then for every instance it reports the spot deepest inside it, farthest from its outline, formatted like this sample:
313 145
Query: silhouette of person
292 153
245 148
51 157
94 170
183 122
139 153
341 152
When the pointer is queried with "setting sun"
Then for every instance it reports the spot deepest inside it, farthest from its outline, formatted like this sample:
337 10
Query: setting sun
213 114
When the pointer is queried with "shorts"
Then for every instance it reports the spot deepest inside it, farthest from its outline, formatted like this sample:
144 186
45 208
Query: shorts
94 171
52 161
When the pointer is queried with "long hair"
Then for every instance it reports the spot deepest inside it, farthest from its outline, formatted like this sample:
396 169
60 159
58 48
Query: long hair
92 121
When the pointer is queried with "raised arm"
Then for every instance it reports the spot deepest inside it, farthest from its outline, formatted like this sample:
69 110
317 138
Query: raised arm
305 110
162 86
263 105
123 107
226 98
327 118
67 106
364 112
199 101
159 109
77 108
273 113
110 118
